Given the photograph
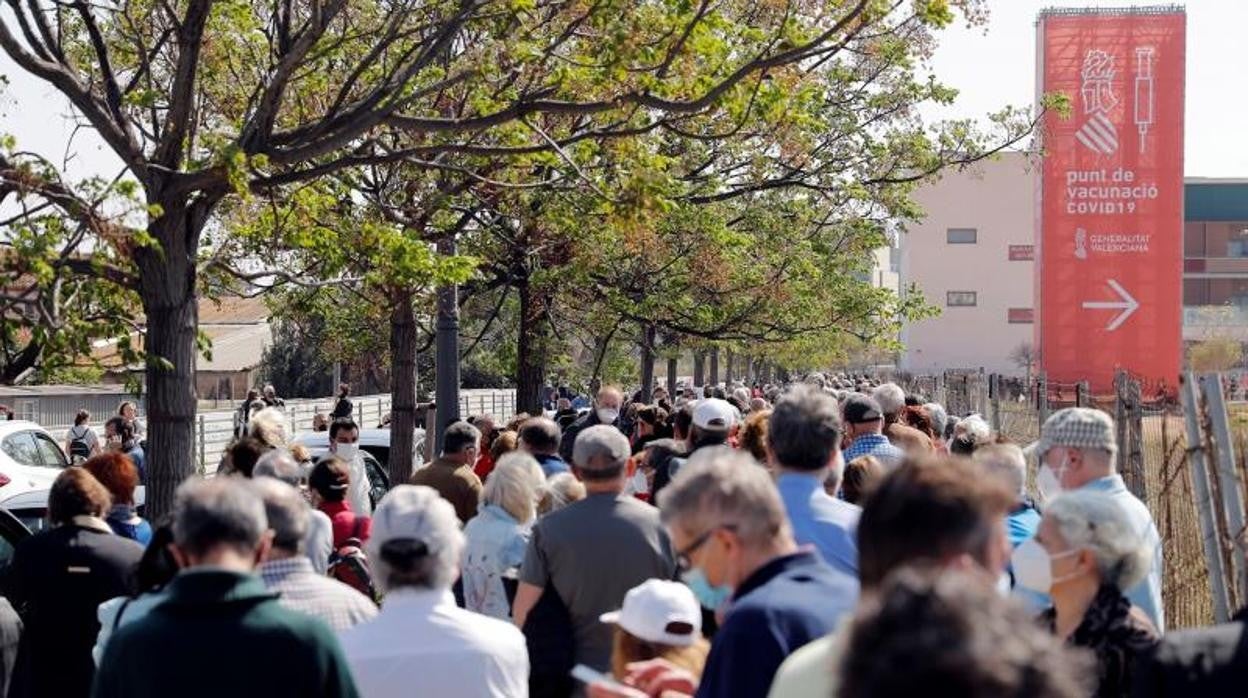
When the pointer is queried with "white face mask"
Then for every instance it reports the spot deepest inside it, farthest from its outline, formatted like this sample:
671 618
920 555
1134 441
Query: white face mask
346 452
607 415
640 486
1033 566
1049 482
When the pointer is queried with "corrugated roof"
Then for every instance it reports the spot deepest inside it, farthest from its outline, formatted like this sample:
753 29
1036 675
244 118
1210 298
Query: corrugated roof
13 391
236 347
233 311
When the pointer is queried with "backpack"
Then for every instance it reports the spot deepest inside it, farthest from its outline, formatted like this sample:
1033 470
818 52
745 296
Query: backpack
79 448
349 565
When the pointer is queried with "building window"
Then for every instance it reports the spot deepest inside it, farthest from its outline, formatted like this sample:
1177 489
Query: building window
1022 253
961 236
961 299
1021 316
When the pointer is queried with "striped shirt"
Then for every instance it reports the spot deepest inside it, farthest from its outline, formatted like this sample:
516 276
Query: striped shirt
303 590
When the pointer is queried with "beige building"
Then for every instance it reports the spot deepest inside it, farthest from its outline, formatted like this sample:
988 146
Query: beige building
972 258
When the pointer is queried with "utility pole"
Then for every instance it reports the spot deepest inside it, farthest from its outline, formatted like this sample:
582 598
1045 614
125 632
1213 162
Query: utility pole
447 352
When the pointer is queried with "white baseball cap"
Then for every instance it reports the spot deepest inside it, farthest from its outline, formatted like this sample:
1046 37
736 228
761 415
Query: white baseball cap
659 611
714 414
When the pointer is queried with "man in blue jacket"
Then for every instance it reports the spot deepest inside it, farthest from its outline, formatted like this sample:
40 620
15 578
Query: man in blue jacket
737 553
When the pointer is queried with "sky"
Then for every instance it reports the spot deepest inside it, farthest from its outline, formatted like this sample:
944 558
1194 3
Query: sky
995 65
992 66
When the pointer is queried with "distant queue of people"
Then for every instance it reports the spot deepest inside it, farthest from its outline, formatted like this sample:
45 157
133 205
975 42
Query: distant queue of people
832 537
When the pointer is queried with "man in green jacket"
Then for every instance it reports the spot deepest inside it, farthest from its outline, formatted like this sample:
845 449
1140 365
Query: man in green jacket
217 608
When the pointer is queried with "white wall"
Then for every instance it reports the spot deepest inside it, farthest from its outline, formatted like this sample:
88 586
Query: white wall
997 198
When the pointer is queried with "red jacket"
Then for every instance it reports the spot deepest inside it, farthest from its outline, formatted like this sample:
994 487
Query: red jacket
346 524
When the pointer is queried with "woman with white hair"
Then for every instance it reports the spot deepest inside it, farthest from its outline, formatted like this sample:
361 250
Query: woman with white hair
560 490
1083 556
499 534
268 426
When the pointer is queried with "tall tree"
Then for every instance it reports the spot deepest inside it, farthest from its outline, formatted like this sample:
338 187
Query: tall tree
203 101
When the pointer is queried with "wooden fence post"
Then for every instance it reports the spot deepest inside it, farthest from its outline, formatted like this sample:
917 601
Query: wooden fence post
1042 399
1135 437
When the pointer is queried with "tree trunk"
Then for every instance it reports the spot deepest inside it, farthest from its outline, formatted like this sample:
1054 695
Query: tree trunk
530 349
647 363
715 366
167 289
447 396
699 368
403 342
673 365
728 367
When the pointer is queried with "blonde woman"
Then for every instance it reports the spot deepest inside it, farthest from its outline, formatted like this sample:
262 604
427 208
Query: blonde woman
658 620
498 535
269 427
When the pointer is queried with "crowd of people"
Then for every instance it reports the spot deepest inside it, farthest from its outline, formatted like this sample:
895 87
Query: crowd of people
831 537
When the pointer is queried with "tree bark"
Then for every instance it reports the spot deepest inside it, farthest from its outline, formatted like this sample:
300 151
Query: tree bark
167 289
699 368
728 367
530 349
673 365
715 366
648 334
403 341
447 396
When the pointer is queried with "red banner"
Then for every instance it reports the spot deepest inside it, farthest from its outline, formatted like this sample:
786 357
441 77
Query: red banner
1111 218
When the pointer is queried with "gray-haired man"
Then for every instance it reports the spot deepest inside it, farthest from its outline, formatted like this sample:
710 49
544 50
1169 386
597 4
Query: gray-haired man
1077 448
319 543
288 572
451 473
737 553
220 531
592 552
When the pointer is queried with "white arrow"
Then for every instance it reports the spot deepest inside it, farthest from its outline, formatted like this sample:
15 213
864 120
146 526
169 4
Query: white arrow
1127 305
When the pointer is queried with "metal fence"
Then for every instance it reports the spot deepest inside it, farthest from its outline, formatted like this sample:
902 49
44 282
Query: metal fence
214 429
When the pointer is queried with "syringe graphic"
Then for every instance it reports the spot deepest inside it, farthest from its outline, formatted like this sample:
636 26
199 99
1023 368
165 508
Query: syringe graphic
1143 92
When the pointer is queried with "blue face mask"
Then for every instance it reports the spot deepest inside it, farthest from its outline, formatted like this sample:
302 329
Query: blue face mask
712 597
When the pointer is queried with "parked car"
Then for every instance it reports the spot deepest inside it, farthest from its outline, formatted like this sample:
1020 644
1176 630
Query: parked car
375 449
30 459
12 532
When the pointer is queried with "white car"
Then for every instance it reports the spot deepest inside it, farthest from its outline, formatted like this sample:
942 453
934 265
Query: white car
30 459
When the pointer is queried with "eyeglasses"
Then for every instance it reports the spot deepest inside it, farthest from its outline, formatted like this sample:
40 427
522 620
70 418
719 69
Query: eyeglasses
683 563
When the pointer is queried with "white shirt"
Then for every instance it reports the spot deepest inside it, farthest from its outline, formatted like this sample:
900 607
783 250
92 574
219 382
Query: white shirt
422 644
358 494
319 543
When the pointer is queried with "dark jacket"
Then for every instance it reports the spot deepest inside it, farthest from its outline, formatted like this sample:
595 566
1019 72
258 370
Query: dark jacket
10 637
57 582
569 434
1118 635
342 408
781 606
1205 662
223 634
663 453
550 639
